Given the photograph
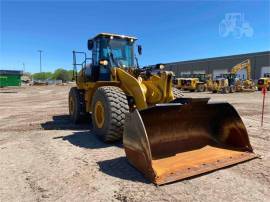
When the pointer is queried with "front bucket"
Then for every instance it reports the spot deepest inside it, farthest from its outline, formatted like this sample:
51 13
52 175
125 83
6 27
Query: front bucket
175 141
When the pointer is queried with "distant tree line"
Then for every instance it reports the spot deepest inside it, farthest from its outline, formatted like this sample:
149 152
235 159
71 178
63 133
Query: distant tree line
58 74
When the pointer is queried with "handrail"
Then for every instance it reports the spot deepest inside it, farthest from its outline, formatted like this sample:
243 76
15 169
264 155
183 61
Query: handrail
75 64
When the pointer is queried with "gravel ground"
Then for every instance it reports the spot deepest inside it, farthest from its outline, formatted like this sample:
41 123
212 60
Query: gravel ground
44 157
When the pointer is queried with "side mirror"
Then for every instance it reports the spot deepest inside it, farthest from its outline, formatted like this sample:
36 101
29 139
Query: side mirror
90 44
103 62
139 49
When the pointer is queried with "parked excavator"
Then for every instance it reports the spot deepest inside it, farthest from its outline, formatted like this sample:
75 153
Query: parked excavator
247 84
229 83
165 136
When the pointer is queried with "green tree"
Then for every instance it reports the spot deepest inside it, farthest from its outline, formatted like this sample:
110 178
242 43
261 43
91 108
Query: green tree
42 75
70 75
61 74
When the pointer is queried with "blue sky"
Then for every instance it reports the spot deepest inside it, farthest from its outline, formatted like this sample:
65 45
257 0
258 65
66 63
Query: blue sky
168 31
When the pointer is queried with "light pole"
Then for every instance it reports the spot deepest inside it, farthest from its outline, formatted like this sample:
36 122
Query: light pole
40 67
23 67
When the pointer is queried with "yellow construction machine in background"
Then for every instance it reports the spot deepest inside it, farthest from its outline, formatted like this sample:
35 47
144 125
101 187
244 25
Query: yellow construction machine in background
165 136
177 82
230 83
246 84
192 85
193 82
222 85
264 82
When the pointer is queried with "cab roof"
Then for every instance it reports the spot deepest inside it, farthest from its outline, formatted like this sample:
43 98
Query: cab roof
114 35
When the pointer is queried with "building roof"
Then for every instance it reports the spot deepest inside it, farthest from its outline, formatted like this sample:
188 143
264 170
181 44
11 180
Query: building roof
11 72
221 58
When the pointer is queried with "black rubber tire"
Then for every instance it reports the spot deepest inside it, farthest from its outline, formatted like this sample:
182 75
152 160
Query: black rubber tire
225 90
200 88
115 106
177 93
232 89
79 107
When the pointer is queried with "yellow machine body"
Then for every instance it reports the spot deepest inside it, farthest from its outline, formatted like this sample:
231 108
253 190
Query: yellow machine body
178 82
220 85
146 93
190 84
209 85
264 82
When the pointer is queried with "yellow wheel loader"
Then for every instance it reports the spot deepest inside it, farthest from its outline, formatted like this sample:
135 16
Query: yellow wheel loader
264 82
177 82
192 85
165 136
221 85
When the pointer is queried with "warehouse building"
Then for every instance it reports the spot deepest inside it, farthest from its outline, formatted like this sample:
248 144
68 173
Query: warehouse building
10 78
260 64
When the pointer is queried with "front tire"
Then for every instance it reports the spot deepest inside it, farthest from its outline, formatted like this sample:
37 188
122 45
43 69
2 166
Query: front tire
109 107
232 89
225 90
200 88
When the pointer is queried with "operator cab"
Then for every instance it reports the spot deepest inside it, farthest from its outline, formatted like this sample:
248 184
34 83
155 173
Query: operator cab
108 51
111 50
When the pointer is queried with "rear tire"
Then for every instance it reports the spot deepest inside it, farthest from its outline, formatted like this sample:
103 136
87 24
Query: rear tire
109 107
232 89
76 105
225 90
200 88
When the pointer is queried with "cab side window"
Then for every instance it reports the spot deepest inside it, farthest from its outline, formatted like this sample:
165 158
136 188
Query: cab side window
96 50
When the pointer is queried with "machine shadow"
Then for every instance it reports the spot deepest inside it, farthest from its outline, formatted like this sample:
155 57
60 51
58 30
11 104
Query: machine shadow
88 140
8 92
63 122
120 168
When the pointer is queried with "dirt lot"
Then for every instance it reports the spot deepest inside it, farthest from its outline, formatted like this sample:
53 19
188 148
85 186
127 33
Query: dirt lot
44 157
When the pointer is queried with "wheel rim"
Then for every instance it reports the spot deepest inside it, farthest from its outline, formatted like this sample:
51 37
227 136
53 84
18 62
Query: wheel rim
99 114
71 106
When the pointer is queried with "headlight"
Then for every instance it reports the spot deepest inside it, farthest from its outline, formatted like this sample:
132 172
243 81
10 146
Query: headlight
160 66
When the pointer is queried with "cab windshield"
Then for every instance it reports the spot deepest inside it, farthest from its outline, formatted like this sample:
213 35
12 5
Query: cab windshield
118 51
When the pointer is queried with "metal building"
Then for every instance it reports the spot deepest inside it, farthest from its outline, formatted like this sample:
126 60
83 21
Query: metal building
10 78
260 64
